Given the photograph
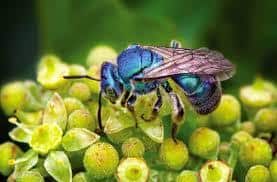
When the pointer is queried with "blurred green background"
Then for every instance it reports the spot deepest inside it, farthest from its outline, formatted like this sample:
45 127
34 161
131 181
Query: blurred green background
245 31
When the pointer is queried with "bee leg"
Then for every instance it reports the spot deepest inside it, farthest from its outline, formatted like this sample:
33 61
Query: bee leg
156 108
125 98
178 109
130 106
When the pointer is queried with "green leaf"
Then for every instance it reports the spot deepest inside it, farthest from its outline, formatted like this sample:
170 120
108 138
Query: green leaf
78 138
58 166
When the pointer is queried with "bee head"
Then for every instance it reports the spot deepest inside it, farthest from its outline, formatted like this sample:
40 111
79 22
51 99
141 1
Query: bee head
111 85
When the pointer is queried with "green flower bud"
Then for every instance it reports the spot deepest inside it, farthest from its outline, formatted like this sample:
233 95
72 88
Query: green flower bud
99 54
174 155
132 169
101 160
257 173
227 113
273 170
215 171
80 91
55 111
76 69
72 104
255 98
254 152
133 147
240 138
8 151
80 177
15 96
204 143
30 176
78 138
58 166
46 137
29 118
248 127
266 120
51 71
81 118
187 176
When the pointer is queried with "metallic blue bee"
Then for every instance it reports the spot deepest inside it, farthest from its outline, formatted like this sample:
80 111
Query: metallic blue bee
143 69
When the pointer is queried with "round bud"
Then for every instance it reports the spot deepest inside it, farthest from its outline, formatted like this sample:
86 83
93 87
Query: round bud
132 147
101 160
187 176
99 54
255 151
241 137
80 91
15 96
273 170
76 69
266 120
174 155
8 151
51 71
227 113
30 176
72 104
255 98
258 173
81 118
204 143
132 169
248 127
46 137
215 171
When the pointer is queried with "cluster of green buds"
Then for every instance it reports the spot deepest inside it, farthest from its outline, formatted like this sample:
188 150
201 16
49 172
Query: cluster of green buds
55 120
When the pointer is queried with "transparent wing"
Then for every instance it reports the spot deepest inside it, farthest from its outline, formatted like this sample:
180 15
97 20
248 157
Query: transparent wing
200 61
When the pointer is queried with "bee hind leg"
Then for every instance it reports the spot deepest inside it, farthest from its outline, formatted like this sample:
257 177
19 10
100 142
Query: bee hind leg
178 109
156 108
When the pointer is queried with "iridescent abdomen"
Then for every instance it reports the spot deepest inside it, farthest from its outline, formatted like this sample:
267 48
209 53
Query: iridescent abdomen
132 62
204 94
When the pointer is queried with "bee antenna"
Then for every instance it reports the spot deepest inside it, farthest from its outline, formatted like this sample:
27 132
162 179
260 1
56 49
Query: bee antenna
81 76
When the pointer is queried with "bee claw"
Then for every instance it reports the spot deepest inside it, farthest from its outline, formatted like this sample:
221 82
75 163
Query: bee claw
99 132
146 119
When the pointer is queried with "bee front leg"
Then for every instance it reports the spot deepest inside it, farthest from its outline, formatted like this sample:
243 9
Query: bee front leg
131 105
156 108
178 109
125 98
